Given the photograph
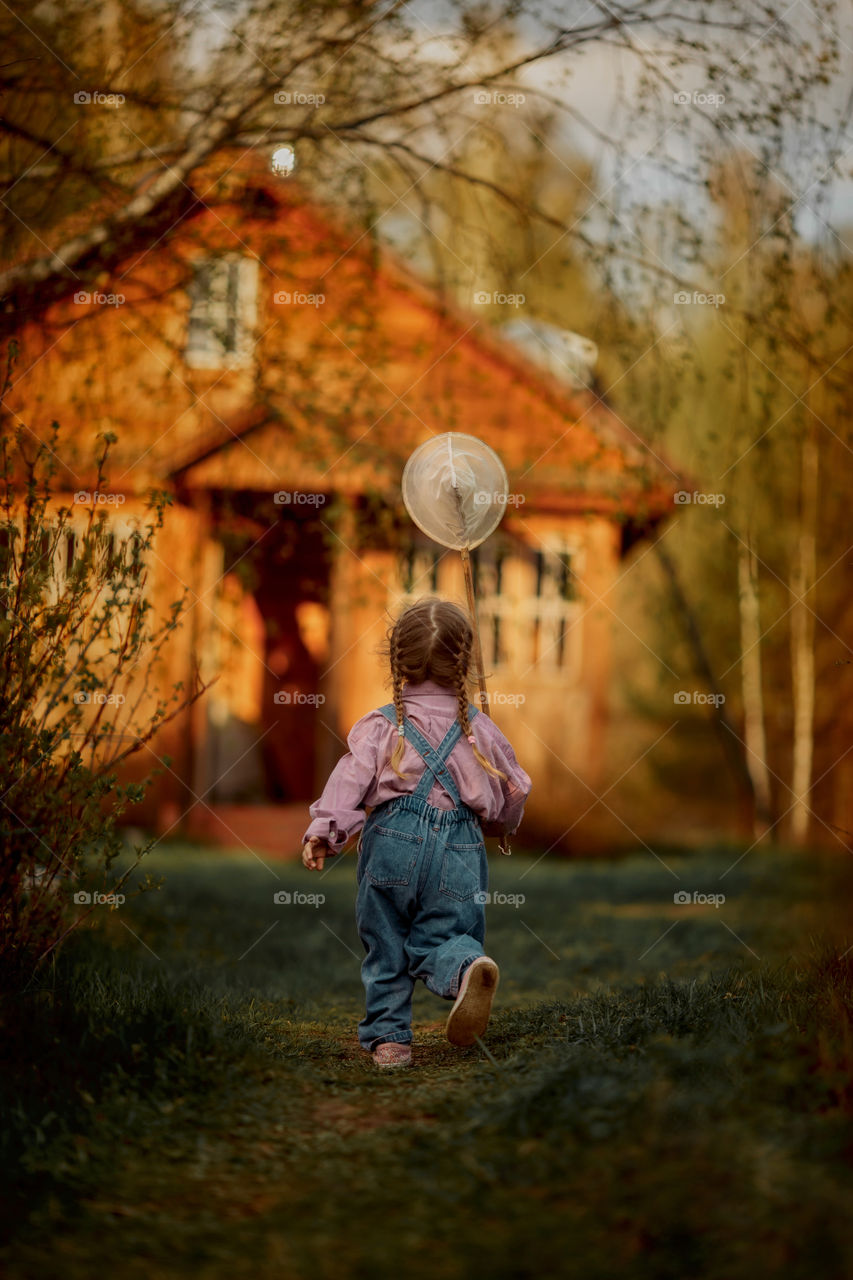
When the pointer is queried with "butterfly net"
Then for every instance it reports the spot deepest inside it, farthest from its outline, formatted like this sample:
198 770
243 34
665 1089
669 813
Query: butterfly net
455 489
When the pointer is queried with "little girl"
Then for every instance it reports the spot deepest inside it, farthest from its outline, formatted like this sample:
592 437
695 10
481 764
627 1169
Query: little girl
431 769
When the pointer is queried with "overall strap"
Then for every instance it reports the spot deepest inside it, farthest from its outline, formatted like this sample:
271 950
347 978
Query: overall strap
434 757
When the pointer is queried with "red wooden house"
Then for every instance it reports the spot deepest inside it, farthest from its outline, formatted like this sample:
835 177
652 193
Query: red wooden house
273 370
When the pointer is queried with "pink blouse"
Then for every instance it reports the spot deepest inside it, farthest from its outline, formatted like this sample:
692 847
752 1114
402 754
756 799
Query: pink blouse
364 777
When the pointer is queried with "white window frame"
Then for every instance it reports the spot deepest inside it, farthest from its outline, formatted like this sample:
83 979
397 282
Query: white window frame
56 583
524 618
223 312
119 530
494 606
551 615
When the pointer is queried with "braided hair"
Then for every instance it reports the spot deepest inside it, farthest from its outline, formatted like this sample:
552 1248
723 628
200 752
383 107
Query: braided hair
432 640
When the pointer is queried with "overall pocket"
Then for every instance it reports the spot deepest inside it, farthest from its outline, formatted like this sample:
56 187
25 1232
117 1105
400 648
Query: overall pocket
460 870
389 856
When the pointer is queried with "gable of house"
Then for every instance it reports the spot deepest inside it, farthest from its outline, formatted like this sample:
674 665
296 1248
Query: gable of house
264 340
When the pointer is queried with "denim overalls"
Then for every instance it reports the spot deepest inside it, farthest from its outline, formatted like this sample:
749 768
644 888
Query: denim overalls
422 877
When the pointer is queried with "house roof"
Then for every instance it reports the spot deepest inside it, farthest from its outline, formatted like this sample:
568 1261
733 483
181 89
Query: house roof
430 367
344 389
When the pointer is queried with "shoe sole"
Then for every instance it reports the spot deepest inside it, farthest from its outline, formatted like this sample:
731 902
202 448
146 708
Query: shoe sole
395 1062
470 1015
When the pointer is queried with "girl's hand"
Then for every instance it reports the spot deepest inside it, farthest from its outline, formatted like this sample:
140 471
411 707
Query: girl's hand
314 853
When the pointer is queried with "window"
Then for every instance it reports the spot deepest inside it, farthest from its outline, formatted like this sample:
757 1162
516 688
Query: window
9 535
57 542
120 555
419 570
555 611
487 570
119 546
223 309
55 552
528 601
46 561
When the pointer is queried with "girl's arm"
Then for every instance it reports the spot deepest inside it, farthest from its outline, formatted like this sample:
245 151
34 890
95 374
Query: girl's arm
339 813
511 792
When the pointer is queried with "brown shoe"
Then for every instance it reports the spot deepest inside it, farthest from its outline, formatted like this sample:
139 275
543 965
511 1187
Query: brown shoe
392 1055
469 1016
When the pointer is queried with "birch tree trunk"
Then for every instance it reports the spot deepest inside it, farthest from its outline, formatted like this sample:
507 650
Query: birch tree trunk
751 685
803 573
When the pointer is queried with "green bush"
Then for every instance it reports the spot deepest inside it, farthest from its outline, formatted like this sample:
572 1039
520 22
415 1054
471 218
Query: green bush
75 623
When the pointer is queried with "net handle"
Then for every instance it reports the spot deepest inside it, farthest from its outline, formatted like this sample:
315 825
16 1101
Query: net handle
503 841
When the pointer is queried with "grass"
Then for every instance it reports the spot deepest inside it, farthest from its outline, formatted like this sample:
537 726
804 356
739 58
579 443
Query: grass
669 1090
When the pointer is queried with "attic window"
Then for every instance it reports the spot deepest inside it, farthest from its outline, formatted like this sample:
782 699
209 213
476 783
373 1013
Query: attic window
223 311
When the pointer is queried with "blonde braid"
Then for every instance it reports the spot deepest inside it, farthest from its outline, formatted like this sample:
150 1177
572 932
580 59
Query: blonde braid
400 746
463 658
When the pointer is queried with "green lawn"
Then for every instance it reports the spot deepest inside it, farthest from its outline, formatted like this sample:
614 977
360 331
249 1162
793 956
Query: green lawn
667 1092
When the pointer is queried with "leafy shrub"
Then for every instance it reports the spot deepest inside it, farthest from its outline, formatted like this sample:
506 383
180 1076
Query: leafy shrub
75 627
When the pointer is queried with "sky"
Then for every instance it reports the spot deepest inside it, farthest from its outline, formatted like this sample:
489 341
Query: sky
602 84
654 162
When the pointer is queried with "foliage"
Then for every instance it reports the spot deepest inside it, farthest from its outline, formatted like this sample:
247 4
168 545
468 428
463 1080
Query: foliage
80 652
95 96
725 395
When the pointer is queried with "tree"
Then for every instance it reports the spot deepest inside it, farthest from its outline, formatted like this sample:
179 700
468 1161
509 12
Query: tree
761 420
86 181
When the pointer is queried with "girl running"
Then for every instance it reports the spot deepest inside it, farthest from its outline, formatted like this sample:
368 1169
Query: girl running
434 773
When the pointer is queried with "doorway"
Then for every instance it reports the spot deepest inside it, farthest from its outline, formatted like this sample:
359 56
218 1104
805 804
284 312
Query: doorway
280 554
